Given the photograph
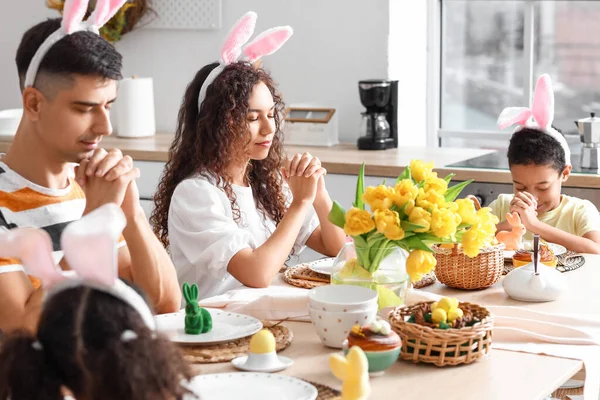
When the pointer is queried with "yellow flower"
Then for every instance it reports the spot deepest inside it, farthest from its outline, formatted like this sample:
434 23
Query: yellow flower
388 223
466 210
481 234
444 222
436 184
420 170
472 241
419 263
379 198
404 192
409 207
420 216
358 222
451 206
428 200
486 217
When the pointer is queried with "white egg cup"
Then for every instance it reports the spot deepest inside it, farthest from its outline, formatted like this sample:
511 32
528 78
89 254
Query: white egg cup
267 362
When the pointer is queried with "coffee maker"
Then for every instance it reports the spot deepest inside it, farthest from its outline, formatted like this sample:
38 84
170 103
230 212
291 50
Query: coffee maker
379 126
589 133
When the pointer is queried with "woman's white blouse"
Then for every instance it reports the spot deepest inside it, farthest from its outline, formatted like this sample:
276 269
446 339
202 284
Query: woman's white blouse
204 236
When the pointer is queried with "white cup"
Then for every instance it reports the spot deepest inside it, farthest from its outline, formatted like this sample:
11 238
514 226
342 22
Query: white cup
342 298
333 327
9 121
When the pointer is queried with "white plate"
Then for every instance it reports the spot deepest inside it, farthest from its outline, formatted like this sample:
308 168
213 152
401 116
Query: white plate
557 249
227 327
251 386
281 364
322 266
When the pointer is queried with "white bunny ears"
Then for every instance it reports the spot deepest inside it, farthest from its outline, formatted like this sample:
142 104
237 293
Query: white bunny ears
264 44
89 245
72 21
539 116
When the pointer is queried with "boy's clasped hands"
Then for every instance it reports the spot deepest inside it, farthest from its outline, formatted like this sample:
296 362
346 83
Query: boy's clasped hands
525 204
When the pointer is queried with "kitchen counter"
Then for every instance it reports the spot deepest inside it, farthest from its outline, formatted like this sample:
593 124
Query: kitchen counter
345 159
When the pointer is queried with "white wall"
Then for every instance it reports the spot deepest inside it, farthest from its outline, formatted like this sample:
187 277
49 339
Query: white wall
15 18
335 44
407 54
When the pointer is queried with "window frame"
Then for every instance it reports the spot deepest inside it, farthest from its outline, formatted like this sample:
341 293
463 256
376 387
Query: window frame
435 132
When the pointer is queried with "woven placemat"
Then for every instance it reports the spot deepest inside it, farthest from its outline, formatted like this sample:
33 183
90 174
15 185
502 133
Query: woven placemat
303 277
325 392
563 393
428 279
570 261
224 352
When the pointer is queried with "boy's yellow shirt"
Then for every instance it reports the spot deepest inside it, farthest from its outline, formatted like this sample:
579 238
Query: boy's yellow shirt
572 215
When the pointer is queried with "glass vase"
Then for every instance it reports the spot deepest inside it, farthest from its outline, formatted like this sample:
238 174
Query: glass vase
382 269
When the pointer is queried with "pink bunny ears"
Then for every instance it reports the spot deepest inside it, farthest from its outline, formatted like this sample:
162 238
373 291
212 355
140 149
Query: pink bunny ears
72 21
235 48
539 116
89 245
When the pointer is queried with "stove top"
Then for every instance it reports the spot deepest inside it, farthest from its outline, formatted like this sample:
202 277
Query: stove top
498 161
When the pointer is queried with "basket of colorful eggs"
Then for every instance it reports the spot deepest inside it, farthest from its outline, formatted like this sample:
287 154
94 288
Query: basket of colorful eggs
443 333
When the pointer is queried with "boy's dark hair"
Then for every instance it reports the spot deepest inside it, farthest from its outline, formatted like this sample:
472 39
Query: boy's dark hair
531 146
82 53
79 347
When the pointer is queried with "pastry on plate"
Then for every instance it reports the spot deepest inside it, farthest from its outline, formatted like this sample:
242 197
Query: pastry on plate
523 257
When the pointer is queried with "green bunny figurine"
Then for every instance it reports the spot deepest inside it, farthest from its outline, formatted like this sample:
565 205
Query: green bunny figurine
197 319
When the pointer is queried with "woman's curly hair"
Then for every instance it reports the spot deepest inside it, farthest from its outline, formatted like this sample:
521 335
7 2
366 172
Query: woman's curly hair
208 142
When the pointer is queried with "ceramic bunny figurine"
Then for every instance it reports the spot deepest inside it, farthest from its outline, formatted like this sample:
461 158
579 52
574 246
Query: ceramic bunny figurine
197 319
353 371
512 239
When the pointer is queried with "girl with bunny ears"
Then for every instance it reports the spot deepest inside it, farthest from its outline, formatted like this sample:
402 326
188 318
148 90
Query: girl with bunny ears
95 332
229 204
540 162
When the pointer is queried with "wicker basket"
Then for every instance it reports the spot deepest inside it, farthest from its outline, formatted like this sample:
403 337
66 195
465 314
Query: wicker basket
443 347
456 270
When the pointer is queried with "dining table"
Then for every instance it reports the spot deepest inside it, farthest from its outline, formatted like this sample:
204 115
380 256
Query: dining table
500 375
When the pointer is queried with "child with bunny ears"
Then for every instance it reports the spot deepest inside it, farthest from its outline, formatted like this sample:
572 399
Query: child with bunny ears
229 205
96 337
68 76
540 162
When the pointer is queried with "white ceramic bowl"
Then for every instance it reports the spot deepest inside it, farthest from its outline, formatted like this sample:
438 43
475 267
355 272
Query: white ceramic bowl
9 121
333 327
342 298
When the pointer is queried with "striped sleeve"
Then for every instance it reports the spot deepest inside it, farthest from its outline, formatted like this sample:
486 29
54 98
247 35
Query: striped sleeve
10 265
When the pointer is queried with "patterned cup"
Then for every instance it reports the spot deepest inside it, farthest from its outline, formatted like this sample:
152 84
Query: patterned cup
333 327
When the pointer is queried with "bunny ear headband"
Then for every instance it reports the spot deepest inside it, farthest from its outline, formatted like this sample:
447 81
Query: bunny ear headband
539 116
235 47
89 245
72 21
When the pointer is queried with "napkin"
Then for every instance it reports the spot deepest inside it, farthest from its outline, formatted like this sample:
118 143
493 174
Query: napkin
277 302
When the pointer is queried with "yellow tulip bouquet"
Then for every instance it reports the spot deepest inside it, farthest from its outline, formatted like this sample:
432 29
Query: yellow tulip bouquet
418 211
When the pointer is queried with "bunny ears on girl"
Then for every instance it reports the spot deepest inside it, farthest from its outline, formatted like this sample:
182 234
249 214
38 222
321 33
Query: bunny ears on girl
72 21
235 48
539 116
90 248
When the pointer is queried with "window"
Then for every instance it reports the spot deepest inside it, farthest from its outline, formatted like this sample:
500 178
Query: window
492 53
